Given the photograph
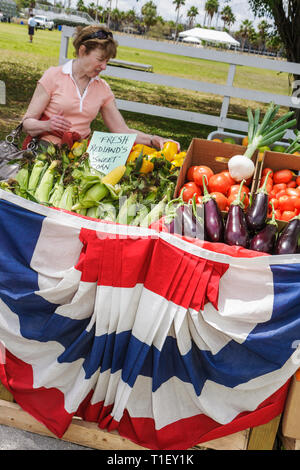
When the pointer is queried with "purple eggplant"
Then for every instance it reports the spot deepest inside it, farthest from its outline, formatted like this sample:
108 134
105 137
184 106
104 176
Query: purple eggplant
184 218
256 214
213 220
236 230
264 241
287 242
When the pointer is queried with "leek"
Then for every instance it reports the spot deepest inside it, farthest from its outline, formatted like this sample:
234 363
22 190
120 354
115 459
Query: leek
259 135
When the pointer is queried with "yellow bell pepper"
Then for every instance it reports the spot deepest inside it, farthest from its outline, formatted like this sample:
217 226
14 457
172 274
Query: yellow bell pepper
147 166
177 162
136 150
169 150
180 156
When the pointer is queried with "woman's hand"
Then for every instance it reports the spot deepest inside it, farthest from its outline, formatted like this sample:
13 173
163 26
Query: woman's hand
158 142
57 123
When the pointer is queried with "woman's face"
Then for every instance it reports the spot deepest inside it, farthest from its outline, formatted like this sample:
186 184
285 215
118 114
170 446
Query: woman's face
92 63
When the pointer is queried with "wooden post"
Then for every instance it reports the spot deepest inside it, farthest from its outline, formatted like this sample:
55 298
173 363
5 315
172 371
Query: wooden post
263 437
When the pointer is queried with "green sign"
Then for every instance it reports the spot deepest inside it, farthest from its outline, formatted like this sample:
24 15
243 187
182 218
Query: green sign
109 150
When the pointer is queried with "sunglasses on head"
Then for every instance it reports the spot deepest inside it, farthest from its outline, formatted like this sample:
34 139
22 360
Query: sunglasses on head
99 35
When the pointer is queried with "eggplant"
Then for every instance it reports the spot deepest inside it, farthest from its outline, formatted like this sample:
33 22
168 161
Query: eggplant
213 220
184 218
236 230
256 214
287 242
264 240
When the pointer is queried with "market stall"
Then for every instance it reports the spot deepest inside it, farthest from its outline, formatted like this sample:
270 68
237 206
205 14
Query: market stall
114 316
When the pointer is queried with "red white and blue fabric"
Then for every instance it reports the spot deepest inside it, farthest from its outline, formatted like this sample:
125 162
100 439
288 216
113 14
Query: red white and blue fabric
169 342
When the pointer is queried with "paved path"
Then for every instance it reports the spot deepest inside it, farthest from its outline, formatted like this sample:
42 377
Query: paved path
16 439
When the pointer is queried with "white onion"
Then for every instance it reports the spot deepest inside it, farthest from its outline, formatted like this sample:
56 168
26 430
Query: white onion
240 167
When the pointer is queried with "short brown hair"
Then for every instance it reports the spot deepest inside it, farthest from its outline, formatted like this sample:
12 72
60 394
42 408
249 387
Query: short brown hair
108 45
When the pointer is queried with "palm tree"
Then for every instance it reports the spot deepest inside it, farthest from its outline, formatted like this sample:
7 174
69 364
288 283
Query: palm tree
263 28
191 14
211 8
149 14
245 31
178 4
227 16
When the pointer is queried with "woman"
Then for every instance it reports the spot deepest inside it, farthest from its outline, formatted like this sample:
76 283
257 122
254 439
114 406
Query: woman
68 97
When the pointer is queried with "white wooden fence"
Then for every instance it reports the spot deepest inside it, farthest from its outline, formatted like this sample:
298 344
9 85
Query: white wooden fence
228 91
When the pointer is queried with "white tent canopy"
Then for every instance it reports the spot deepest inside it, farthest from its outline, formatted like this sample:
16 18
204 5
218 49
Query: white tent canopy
210 35
192 39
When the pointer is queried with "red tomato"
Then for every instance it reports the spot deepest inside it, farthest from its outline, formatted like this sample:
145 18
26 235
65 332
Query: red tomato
220 199
226 173
219 182
296 201
190 173
272 194
293 192
248 181
234 189
279 187
190 189
292 184
282 176
263 179
286 203
280 193
287 215
298 180
266 171
199 172
278 214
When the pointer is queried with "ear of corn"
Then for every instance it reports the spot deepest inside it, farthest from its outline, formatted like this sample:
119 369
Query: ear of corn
114 176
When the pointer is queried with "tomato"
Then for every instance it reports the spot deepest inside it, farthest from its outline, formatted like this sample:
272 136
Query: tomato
298 180
282 176
287 215
190 189
293 192
278 214
279 187
230 179
292 184
220 199
263 179
219 182
199 172
286 203
248 181
280 193
266 170
235 189
190 173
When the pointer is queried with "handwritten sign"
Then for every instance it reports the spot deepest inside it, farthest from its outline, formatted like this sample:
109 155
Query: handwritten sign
109 150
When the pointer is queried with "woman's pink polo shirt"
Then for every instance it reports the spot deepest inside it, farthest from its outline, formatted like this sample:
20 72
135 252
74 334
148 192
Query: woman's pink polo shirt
65 98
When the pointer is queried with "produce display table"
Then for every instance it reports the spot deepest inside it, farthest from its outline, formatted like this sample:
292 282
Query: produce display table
168 342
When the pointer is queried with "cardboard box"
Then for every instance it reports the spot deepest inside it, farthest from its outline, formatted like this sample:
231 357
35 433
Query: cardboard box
290 426
213 154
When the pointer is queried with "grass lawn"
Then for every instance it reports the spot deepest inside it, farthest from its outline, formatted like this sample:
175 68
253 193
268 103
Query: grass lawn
22 63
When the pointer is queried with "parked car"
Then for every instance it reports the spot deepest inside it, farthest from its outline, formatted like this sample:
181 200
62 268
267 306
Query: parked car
43 22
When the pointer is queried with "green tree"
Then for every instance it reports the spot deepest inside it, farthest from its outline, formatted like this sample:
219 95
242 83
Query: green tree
245 32
227 16
191 14
149 14
286 17
263 33
211 8
178 4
